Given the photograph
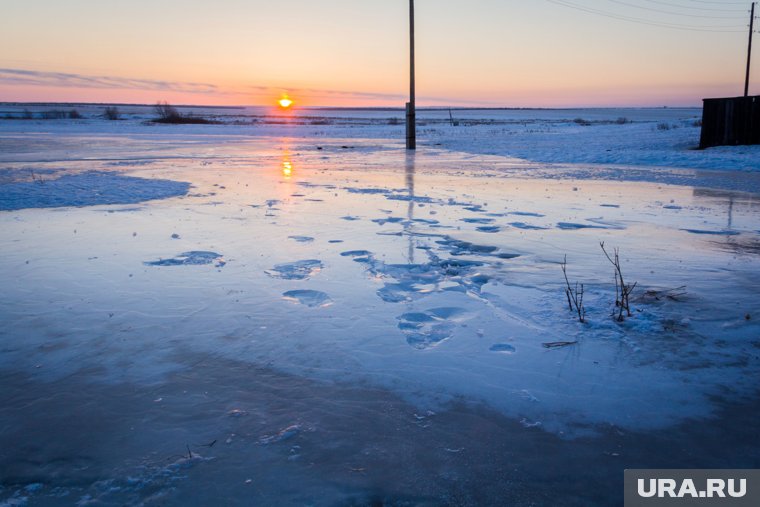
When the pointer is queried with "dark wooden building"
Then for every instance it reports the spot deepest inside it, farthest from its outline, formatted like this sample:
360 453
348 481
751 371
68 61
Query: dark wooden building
730 121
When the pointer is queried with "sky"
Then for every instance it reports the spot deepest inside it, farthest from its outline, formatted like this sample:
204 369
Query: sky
495 53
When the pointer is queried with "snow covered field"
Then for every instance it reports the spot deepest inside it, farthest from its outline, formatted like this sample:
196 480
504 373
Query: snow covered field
292 309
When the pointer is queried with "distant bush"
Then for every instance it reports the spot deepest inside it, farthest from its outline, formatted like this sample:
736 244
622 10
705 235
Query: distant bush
622 120
663 126
111 113
393 121
26 114
168 114
74 115
581 121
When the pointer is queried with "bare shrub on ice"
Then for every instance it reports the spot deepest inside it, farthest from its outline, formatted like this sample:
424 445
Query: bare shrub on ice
622 290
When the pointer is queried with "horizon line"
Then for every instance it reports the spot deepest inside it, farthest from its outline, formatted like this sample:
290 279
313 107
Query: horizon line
348 108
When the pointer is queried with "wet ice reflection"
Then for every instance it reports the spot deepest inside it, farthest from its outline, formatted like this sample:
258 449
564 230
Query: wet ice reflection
416 278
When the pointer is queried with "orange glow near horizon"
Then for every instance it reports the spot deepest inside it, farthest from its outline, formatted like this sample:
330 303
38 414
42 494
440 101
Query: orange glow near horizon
329 57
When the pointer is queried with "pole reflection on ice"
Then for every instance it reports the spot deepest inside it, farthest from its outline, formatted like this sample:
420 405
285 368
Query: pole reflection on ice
409 173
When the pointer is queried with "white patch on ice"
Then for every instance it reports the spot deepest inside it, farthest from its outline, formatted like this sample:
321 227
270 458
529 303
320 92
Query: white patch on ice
86 189
310 298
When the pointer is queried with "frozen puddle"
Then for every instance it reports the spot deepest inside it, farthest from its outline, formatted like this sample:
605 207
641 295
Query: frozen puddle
407 282
527 227
572 226
503 348
299 270
478 220
310 298
712 233
441 348
387 292
282 435
427 329
388 220
301 239
194 258
358 255
526 214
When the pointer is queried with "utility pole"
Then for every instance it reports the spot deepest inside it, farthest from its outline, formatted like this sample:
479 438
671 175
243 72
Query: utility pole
411 131
749 48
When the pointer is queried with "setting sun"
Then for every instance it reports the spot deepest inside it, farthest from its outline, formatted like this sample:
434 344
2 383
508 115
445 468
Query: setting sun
285 102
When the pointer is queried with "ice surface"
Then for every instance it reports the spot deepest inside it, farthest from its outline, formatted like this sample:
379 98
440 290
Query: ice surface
401 341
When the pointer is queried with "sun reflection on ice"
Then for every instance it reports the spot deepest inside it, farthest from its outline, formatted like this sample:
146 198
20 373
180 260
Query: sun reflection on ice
287 168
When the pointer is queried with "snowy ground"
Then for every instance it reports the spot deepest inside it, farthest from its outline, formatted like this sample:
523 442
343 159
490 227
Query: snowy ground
293 310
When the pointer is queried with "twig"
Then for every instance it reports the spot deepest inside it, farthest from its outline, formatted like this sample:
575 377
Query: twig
574 296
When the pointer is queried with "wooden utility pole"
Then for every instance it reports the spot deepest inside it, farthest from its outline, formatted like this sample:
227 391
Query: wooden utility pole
411 131
749 48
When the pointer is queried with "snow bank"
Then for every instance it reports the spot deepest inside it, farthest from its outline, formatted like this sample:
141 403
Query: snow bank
85 189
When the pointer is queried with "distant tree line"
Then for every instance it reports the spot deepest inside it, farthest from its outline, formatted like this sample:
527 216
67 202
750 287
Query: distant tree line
53 114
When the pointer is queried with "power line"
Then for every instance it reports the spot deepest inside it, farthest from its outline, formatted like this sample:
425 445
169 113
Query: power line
643 21
706 9
720 3
711 16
